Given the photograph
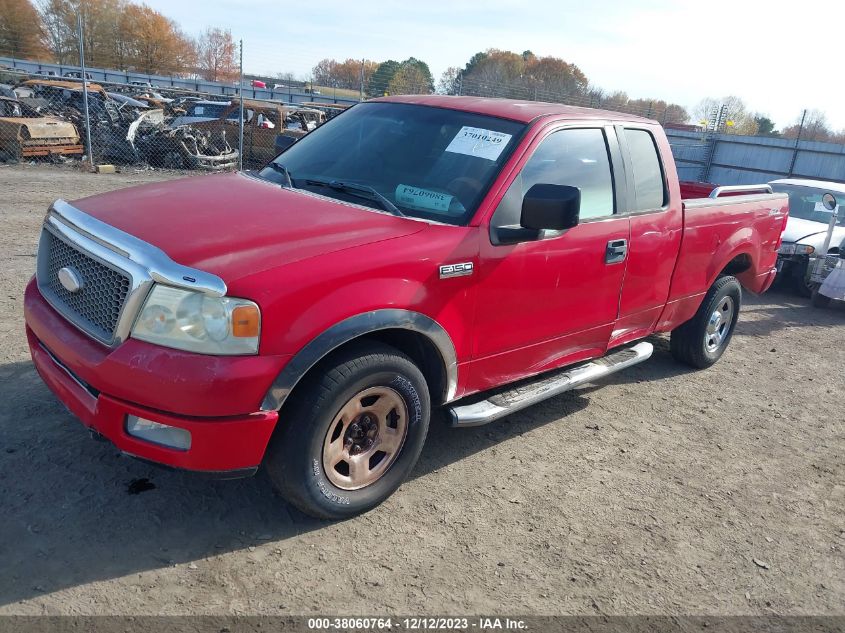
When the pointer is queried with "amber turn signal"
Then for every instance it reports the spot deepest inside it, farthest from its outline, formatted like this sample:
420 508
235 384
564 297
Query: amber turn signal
246 322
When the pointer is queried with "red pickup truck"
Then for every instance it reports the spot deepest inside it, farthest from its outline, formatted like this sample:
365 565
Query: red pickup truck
413 252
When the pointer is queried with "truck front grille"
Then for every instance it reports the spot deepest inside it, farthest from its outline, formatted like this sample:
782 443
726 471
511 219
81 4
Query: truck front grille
96 307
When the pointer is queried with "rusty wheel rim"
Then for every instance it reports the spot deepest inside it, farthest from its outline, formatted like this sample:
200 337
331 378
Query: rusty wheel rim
365 438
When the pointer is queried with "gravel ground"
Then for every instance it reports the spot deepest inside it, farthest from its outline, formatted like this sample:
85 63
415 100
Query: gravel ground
661 491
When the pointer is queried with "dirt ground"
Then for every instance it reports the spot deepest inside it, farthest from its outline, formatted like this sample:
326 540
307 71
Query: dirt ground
652 493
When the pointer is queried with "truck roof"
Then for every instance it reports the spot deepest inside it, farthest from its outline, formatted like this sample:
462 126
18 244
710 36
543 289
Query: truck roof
522 111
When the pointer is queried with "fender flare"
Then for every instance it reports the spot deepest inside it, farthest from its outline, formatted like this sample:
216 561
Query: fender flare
352 328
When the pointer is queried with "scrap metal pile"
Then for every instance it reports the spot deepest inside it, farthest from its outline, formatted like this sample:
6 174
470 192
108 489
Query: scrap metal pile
45 118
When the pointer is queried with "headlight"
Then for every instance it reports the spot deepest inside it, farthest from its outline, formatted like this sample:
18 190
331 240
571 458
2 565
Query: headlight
795 249
196 322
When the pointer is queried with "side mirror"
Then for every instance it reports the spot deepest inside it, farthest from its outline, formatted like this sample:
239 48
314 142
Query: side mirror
552 207
829 201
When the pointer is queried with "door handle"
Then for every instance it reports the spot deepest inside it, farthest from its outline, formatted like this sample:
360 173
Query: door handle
616 251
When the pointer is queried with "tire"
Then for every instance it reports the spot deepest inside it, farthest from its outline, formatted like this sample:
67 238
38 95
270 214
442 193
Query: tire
819 300
361 399
800 282
801 288
693 343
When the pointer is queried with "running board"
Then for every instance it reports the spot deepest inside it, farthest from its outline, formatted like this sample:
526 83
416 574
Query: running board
513 399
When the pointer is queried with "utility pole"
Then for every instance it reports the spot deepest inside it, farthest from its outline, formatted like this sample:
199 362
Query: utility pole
84 88
361 90
460 83
241 122
797 140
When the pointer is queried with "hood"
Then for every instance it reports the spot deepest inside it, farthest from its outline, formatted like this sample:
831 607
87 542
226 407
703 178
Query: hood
233 225
812 233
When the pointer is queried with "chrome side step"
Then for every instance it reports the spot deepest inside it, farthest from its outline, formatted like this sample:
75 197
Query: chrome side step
505 402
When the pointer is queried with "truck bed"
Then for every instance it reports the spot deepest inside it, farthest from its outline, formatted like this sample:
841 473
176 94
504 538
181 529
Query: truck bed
736 233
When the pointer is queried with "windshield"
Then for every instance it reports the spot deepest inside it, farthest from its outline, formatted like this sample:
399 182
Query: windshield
806 203
431 163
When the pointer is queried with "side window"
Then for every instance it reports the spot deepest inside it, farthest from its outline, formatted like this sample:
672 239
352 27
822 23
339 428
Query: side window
648 176
574 157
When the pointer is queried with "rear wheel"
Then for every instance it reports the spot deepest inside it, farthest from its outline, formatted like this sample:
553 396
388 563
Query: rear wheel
351 433
702 340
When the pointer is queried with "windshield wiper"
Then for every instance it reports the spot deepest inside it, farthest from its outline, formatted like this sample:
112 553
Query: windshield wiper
284 172
361 191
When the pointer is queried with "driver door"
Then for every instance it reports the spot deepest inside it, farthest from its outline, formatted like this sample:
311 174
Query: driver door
554 300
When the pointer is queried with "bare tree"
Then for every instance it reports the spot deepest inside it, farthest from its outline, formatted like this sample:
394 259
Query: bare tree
736 118
450 81
217 55
815 127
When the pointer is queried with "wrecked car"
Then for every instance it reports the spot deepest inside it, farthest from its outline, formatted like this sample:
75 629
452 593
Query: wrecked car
125 130
153 99
331 110
266 124
186 147
128 101
26 134
298 123
109 119
199 111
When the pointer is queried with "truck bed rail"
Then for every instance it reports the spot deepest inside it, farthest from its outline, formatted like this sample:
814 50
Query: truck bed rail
739 190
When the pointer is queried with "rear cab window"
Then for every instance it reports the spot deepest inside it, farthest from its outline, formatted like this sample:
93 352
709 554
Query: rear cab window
649 184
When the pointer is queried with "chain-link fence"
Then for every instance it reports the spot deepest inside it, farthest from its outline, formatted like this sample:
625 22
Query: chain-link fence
56 119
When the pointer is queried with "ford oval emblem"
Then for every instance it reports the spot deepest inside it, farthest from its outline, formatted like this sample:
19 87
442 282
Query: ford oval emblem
70 279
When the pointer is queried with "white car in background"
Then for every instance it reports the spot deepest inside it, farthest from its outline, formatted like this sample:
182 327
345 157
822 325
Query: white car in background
806 228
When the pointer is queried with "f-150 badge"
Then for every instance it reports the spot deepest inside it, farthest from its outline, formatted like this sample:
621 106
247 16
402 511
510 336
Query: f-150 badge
455 270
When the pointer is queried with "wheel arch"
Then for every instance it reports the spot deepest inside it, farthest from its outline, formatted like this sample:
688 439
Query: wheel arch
420 337
740 263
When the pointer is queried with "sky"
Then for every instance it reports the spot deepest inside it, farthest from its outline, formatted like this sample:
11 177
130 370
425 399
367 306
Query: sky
777 56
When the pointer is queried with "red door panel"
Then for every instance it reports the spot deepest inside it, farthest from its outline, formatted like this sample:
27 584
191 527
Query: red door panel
546 303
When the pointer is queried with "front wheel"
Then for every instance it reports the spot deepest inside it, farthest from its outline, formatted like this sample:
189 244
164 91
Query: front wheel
818 299
702 340
352 432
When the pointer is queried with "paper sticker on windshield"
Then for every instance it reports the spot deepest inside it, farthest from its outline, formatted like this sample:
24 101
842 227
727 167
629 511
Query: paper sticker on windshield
423 199
476 141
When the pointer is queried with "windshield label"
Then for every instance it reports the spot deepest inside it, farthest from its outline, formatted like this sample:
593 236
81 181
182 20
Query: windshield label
476 141
423 199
